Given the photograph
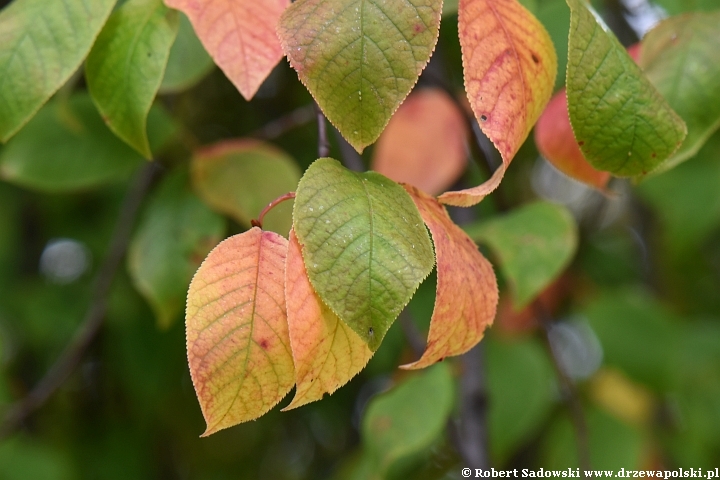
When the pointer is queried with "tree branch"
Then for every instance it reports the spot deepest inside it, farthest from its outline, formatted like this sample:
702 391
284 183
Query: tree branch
323 143
278 127
349 157
63 367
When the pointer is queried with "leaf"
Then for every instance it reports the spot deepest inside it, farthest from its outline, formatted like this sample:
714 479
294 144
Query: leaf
680 57
326 352
176 232
467 292
240 177
67 147
534 244
188 62
409 418
360 58
126 65
43 44
239 35
365 247
621 122
237 335
425 143
556 142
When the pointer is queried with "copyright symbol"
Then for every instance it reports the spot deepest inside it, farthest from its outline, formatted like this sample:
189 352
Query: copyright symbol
466 472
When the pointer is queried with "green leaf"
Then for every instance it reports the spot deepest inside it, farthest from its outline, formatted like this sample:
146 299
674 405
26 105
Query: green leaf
175 234
621 122
21 459
360 58
366 248
188 62
43 43
681 58
408 419
126 66
534 244
241 177
68 147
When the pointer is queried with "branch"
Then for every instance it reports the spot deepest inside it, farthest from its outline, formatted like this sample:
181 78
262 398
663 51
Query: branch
471 432
323 143
17 413
348 155
274 129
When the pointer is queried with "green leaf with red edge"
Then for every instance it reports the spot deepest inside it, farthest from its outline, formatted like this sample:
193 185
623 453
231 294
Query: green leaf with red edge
509 63
327 353
364 243
467 291
237 334
556 142
622 124
176 232
681 58
43 44
425 143
360 58
241 177
239 35
126 65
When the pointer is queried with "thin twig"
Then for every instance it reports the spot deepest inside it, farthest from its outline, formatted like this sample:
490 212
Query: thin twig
472 430
274 129
323 143
95 314
348 155
567 387
412 333
270 206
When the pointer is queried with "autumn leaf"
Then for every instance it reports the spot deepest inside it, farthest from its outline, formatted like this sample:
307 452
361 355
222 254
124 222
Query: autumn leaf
239 35
237 335
425 143
556 142
509 64
360 58
327 353
467 292
364 244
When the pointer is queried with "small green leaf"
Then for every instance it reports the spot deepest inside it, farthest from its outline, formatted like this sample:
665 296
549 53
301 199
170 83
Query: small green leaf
68 147
409 418
175 234
126 66
188 62
682 59
360 58
366 248
534 244
241 177
621 122
43 43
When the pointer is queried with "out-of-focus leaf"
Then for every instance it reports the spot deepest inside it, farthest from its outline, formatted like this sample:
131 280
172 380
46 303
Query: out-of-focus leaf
237 334
239 35
21 459
674 7
509 65
43 43
425 143
556 142
68 147
681 58
359 59
533 243
327 353
188 62
621 397
365 246
555 16
241 177
467 292
176 233
409 418
621 122
126 65
521 392
686 198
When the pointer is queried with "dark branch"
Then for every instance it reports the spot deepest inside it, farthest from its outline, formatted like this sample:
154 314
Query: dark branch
276 128
348 155
95 314
471 431
323 143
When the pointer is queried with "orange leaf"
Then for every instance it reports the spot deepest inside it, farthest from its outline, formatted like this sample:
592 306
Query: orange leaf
510 65
327 352
237 335
239 35
556 142
467 292
425 142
